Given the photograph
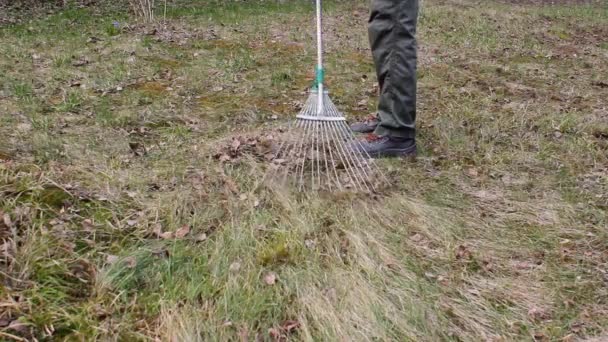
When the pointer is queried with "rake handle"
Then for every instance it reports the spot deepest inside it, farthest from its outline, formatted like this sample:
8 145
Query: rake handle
319 72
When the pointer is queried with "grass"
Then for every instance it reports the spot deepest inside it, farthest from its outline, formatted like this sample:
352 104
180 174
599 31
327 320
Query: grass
117 222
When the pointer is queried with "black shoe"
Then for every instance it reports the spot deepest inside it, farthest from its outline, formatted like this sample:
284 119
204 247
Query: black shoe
379 147
366 126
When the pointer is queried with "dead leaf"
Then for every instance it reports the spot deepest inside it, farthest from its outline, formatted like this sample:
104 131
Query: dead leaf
111 259
19 327
231 185
472 172
200 238
235 267
569 338
236 143
182 232
417 237
275 334
290 325
524 265
166 235
362 104
243 334
600 84
462 252
539 336
137 148
131 223
80 62
6 219
270 278
157 229
538 314
243 197
93 40
225 158
131 262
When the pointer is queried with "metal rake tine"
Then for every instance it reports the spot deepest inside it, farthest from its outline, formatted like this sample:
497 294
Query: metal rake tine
358 157
352 163
300 152
329 148
344 157
316 156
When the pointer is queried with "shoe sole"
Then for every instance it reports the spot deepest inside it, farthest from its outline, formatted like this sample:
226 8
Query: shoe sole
366 131
397 153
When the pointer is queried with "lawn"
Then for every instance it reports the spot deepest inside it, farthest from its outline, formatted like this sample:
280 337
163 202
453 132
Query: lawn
127 213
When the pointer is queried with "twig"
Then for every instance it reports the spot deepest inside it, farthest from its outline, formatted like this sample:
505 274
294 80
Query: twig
11 336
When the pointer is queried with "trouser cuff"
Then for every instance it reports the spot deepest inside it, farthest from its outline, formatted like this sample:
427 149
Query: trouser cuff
386 132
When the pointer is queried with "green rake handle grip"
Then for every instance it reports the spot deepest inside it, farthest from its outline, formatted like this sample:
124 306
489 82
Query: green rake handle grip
319 77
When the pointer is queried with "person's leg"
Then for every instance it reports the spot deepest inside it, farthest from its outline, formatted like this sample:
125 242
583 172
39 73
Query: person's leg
392 31
380 29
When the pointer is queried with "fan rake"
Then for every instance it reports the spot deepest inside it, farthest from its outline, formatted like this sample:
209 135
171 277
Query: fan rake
319 151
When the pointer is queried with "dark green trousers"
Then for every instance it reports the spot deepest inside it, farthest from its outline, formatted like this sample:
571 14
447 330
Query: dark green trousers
392 35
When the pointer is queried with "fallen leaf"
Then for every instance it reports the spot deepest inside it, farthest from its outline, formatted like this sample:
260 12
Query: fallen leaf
462 252
137 148
290 325
182 232
235 267
200 238
274 333
538 314
539 336
416 237
230 184
472 172
131 262
131 223
80 62
157 229
93 40
6 219
225 158
243 197
18 327
166 235
236 143
270 278
569 338
244 334
111 259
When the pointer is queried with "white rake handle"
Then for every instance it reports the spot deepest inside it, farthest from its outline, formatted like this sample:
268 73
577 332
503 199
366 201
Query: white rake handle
319 71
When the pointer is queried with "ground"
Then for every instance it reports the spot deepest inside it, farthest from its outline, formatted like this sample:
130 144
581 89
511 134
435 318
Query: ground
120 221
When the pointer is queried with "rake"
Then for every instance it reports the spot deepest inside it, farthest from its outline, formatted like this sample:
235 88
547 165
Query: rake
318 150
